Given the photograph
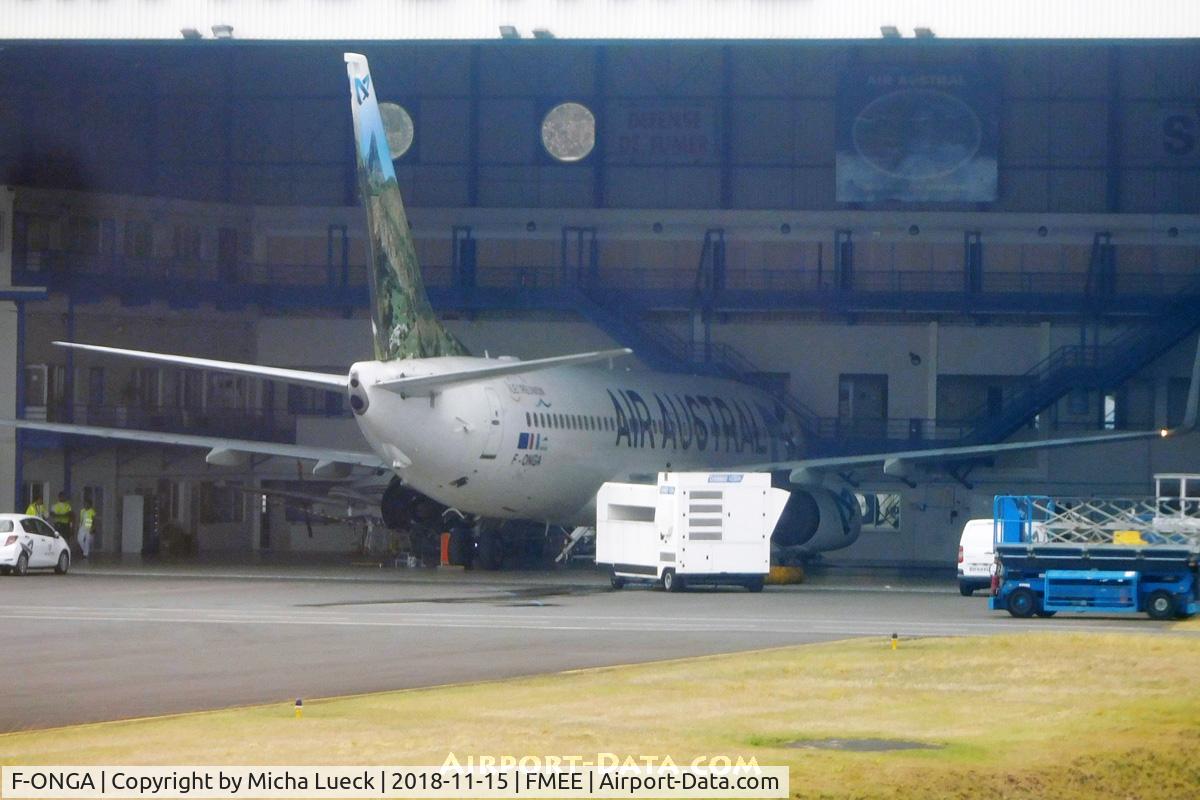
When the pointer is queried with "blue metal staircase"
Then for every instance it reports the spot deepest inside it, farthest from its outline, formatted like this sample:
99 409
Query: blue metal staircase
1087 367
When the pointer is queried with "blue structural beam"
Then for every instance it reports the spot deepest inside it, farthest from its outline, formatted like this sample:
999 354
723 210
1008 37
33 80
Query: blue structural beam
20 294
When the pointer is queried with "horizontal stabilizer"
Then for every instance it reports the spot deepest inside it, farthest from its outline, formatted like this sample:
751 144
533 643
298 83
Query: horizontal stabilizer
426 384
222 451
320 380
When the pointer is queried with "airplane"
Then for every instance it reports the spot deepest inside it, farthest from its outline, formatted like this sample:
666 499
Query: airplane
499 439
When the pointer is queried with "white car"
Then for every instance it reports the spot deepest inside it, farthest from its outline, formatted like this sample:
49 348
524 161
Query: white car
30 543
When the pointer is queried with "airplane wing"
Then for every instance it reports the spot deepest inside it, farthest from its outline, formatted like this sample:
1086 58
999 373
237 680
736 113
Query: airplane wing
897 463
220 449
320 380
424 384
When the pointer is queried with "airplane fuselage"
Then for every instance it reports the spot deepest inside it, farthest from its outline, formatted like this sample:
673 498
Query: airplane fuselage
539 445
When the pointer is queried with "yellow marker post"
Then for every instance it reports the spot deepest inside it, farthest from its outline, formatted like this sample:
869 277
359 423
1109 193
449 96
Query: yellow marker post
299 708
895 641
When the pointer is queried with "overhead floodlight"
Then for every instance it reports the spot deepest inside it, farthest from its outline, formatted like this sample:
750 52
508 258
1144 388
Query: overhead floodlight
223 31
889 31
191 33
509 32
924 33
543 33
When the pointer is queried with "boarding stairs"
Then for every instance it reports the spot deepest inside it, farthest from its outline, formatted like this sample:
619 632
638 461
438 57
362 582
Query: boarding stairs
574 538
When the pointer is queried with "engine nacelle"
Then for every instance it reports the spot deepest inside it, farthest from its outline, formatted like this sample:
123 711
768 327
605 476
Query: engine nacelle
816 520
405 509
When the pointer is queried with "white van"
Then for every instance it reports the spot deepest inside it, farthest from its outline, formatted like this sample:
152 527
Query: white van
976 555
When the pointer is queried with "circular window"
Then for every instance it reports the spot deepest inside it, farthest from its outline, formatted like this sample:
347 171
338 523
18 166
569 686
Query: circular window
569 132
399 128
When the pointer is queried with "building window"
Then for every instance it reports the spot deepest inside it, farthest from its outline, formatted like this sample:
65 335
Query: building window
569 132
880 512
222 503
188 243
398 125
83 236
139 239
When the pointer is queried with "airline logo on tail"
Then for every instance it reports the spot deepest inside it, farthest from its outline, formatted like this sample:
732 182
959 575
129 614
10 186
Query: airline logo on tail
362 89
401 317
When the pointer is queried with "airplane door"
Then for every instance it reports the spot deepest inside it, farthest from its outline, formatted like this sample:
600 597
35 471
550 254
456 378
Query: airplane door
491 443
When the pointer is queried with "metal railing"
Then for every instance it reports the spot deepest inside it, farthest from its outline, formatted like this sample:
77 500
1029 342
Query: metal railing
1091 520
51 263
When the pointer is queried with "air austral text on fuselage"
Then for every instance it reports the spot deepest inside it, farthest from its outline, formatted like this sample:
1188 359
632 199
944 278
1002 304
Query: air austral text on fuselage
684 421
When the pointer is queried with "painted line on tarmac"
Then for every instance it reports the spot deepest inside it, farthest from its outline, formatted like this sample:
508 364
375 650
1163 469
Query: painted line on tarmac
456 580
759 627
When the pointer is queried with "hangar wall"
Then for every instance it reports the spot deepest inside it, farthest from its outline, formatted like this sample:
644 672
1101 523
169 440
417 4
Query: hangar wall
195 198
1083 126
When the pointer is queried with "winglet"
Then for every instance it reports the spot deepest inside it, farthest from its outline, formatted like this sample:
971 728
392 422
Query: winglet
1193 398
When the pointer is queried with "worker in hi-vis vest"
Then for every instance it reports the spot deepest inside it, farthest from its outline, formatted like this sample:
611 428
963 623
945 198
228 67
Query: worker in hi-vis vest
87 518
62 515
37 508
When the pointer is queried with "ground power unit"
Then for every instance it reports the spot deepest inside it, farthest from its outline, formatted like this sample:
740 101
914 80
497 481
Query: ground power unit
689 528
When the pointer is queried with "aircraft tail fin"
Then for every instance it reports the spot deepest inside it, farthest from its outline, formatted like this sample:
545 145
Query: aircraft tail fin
401 316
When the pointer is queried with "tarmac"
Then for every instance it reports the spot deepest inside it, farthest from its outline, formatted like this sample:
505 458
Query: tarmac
119 641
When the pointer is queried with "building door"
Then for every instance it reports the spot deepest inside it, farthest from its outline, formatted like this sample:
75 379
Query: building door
491 444
36 391
862 404
227 255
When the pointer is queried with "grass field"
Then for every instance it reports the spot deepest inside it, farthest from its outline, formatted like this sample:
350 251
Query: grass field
1024 716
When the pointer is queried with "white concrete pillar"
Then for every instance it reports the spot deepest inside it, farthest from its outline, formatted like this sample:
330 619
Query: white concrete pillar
8 358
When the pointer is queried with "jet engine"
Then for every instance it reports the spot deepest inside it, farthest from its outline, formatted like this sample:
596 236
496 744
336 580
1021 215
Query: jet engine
405 509
815 520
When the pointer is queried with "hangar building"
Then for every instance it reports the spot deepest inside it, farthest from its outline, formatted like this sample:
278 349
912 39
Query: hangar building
915 239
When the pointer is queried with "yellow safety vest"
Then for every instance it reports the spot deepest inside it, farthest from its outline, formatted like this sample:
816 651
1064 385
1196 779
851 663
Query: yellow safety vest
36 510
61 512
88 515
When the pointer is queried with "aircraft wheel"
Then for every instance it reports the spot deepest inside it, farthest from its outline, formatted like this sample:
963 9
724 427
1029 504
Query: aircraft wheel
462 547
489 554
616 581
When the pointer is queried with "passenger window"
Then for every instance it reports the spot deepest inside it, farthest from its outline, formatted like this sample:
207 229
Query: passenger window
30 526
45 529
